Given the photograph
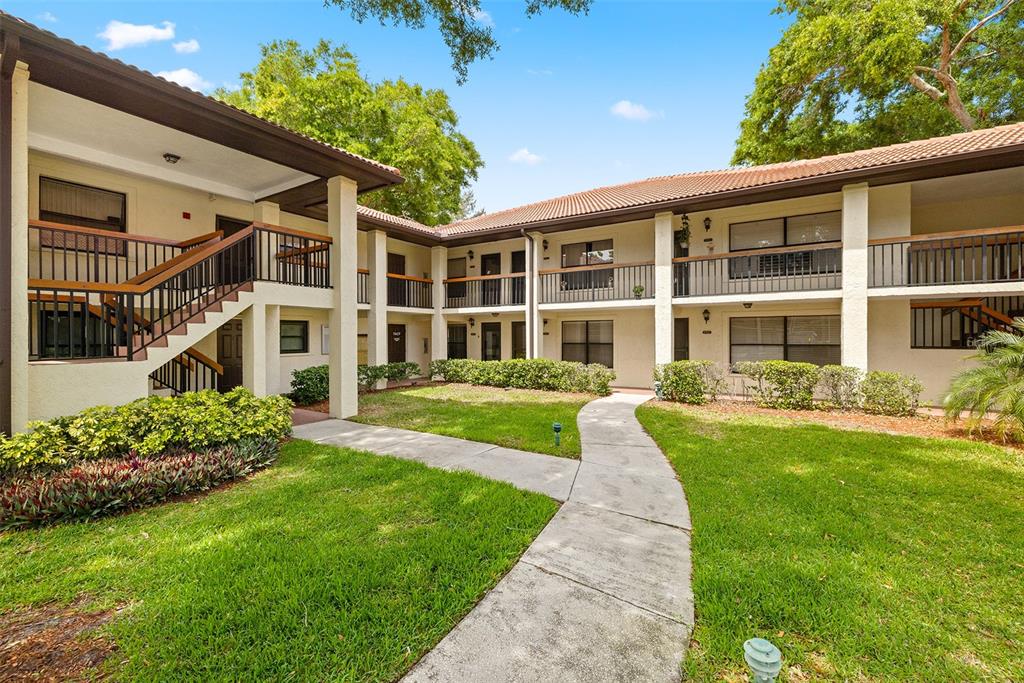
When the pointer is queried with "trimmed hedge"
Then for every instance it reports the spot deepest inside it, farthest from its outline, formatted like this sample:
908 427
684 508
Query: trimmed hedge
690 381
890 393
146 428
781 384
840 386
312 385
101 487
527 373
369 375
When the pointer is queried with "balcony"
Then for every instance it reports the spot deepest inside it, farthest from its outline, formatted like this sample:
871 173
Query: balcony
760 271
485 291
585 284
406 291
952 258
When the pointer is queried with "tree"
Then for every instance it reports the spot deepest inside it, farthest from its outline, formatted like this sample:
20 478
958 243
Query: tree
322 94
464 26
996 384
851 74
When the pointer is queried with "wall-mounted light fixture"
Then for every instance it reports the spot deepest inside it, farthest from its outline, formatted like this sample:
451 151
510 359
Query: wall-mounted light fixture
171 158
747 305
494 315
545 244
707 224
707 316
470 254
545 322
472 322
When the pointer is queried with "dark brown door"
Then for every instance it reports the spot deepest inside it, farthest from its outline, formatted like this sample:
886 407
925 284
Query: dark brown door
490 264
519 339
491 345
229 354
396 343
398 294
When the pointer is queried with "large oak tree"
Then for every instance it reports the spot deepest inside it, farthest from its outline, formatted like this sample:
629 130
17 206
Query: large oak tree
322 94
850 74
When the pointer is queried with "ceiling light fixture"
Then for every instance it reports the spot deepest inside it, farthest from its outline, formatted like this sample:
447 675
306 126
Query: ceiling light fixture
171 158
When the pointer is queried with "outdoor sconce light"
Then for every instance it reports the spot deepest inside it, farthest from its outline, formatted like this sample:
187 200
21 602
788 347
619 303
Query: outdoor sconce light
707 224
556 427
171 158
472 322
545 245
545 322
747 304
494 315
763 658
470 254
707 316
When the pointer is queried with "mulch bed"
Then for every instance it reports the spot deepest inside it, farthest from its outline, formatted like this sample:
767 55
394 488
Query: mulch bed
53 643
928 426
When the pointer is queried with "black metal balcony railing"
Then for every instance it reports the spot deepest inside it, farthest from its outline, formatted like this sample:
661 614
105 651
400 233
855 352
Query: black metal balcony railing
410 292
485 290
785 269
362 286
191 371
612 282
965 257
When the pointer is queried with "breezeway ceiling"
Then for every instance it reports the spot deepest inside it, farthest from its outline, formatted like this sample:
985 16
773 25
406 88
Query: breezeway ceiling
970 186
76 128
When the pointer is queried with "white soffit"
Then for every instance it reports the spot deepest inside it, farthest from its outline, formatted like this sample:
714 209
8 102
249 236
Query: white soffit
75 128
1007 181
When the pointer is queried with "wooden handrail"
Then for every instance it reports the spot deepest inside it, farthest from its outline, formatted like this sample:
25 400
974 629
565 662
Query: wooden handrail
299 251
957 303
474 278
601 266
365 271
98 232
818 246
208 237
953 234
270 227
410 278
203 358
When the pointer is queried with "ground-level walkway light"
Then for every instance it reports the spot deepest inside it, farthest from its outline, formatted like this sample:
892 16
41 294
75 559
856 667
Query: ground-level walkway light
557 428
763 658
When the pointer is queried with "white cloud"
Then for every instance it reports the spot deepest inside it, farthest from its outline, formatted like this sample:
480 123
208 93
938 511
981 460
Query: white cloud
187 78
48 17
483 17
186 47
540 72
119 34
634 111
525 156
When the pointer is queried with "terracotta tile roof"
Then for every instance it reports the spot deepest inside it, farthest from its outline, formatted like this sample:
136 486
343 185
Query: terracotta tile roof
706 183
4 16
385 219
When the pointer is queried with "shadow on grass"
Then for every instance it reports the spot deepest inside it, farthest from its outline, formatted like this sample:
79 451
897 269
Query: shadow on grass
859 554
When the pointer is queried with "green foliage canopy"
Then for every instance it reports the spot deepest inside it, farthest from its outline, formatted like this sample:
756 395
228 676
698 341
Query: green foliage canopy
322 94
851 74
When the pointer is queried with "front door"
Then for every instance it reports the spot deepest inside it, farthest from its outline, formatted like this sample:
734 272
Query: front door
519 339
681 339
397 292
491 345
229 354
457 341
396 343
490 264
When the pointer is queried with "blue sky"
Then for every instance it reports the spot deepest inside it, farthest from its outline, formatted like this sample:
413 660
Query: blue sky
632 90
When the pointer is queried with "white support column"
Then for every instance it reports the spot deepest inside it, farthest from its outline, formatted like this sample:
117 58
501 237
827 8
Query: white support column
19 248
341 226
534 322
438 323
273 350
267 212
855 276
377 285
254 349
662 288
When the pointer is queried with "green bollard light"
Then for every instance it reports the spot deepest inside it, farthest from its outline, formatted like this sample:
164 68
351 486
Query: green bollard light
557 427
763 658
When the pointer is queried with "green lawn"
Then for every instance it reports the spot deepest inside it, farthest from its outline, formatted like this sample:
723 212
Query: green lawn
514 418
863 556
331 565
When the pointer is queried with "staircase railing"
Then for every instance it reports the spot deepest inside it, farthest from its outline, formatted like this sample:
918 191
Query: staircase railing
191 371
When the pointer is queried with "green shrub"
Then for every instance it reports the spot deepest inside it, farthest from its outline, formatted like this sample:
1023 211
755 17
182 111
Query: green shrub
311 385
839 385
890 393
147 427
523 373
101 487
780 383
690 381
369 376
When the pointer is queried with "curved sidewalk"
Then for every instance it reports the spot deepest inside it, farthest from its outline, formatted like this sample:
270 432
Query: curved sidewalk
603 593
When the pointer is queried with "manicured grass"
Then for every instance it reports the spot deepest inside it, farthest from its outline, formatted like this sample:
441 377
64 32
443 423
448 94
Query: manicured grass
863 556
513 418
331 565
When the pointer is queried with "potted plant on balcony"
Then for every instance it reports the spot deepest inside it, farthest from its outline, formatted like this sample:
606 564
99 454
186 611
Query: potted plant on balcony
638 291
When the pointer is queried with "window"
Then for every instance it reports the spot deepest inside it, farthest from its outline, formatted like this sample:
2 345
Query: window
456 341
490 346
806 339
456 269
681 339
294 336
81 205
587 254
935 327
812 228
588 341
518 339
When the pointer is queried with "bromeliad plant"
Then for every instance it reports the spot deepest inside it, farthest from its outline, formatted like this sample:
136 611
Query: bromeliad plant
995 385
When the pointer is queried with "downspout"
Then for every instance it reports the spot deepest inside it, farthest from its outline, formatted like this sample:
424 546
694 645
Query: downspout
532 293
9 49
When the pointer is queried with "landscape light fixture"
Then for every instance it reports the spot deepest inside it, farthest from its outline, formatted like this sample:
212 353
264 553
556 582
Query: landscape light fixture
707 316
171 158
764 660
556 427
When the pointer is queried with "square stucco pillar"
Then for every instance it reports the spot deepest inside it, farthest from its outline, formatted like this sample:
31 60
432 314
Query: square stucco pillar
377 285
273 350
534 322
254 349
15 309
662 288
438 323
267 212
341 226
855 276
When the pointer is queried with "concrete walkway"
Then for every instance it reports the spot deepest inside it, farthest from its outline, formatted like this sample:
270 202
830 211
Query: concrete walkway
603 593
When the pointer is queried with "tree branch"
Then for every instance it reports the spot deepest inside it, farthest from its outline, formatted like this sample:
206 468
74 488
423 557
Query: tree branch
974 29
927 88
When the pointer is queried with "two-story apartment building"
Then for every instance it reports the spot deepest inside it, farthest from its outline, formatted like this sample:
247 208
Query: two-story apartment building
156 240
